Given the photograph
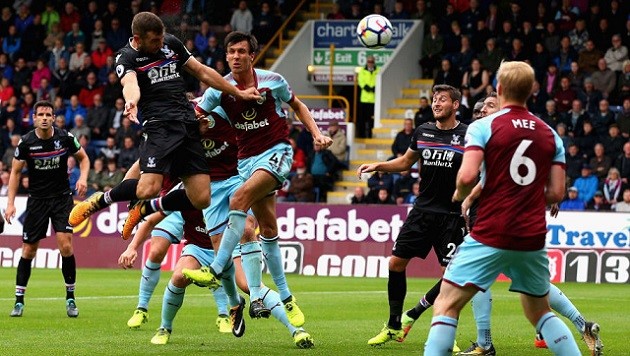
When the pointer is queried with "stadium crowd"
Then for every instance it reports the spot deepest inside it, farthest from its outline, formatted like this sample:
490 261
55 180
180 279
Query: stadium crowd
64 52
579 51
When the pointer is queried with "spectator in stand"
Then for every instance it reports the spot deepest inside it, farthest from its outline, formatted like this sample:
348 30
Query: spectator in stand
128 154
613 142
10 115
492 19
213 52
448 75
335 13
242 19
73 38
586 139
551 39
63 80
517 52
537 101
565 56
33 46
12 43
355 12
604 79
6 68
477 79
612 187
58 52
110 151
116 36
602 119
598 203
551 116
50 16
322 165
112 177
97 35
588 57
89 91
301 187
23 19
73 173
624 205
505 36
77 59
112 91
41 72
202 36
101 53
622 163
402 186
80 128
9 152
4 179
623 119
566 16
53 36
561 129
104 71
551 80
602 37
90 151
383 197
576 77
587 184
592 17
491 57
616 55
539 60
424 113
7 19
623 82
339 145
414 194
6 91
125 130
403 139
452 40
95 176
116 116
480 37
69 16
579 35
432 49
399 12
75 108
60 121
265 23
564 96
575 118
359 196
573 201
600 163
424 14
590 96
97 118
377 181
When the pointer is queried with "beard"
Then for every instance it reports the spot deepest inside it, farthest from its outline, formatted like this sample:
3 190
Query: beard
444 115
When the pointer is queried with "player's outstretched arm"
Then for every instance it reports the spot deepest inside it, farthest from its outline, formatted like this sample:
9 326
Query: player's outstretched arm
304 115
14 182
128 257
213 79
395 165
131 94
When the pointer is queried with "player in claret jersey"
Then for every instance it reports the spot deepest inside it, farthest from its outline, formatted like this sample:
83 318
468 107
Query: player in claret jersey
264 161
522 163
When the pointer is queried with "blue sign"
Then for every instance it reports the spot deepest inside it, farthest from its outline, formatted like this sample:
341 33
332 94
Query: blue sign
343 33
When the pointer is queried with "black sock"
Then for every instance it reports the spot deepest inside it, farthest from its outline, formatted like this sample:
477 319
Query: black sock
124 191
396 291
426 302
21 278
176 200
69 271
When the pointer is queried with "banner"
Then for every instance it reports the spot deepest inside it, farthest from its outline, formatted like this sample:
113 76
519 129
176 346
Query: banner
348 240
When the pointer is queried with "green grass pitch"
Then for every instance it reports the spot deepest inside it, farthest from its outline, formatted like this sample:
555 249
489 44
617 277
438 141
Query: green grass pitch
341 315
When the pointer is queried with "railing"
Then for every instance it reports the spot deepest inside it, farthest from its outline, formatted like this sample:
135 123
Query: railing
279 34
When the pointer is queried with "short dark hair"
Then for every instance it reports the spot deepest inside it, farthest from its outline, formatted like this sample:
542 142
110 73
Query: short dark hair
238 36
145 22
43 104
453 92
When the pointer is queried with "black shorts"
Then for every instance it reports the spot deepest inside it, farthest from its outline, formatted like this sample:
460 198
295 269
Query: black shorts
38 213
425 230
172 147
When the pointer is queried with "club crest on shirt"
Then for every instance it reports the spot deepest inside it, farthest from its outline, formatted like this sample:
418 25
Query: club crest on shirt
168 53
151 162
57 145
456 140
263 98
250 114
